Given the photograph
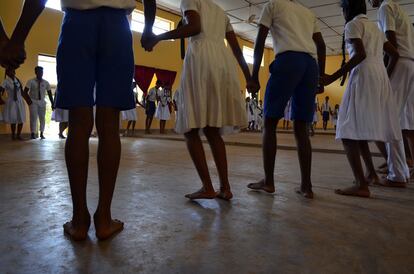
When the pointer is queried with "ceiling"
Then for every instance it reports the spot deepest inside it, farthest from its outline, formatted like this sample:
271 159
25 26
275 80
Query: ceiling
328 12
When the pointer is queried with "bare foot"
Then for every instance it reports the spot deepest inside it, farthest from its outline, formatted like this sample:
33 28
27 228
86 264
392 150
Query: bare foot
388 183
305 193
261 186
105 230
201 194
76 232
354 191
224 195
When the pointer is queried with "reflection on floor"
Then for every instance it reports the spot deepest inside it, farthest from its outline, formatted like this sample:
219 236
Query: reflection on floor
164 233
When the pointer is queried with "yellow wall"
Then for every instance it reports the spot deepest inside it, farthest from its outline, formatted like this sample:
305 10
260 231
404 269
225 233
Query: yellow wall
44 36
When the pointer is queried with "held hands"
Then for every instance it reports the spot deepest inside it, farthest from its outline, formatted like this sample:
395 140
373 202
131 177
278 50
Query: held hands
326 80
12 54
253 86
149 40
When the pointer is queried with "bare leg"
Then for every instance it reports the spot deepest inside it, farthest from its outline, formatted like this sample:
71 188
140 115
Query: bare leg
353 154
196 150
62 128
409 136
133 127
150 118
13 130
19 131
269 156
372 177
77 158
162 126
305 157
383 150
218 149
109 154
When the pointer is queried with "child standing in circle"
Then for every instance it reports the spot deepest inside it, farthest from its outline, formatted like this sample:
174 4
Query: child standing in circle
210 87
367 110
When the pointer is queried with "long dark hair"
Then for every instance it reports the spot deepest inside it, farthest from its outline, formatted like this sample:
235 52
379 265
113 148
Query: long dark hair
351 9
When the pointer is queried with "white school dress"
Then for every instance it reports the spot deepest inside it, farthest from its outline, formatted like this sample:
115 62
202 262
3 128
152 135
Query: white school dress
60 115
210 80
14 111
163 110
129 115
335 117
368 108
251 117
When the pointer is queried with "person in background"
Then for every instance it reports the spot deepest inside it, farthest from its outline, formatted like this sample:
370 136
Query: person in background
150 105
14 108
61 116
334 114
325 112
36 88
163 108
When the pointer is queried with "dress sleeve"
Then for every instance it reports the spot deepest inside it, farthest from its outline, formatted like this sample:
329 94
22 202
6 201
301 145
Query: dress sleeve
386 18
352 31
266 18
229 27
316 28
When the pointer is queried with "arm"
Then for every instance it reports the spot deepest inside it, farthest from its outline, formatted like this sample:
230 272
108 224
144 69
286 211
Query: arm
150 9
192 28
254 85
393 55
13 52
321 52
359 56
49 94
26 96
235 47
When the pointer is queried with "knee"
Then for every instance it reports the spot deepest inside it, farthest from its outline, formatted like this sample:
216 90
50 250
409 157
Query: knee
191 134
211 133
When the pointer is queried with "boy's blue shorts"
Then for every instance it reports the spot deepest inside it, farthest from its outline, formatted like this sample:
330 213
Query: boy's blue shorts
95 48
293 74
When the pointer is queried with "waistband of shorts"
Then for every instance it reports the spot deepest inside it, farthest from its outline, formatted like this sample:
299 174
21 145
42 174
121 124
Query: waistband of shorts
297 53
96 10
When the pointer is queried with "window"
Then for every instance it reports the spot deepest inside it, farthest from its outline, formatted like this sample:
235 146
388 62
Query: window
161 25
248 54
49 68
53 4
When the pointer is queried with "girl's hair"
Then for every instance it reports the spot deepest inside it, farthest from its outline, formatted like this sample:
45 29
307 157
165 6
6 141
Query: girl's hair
351 9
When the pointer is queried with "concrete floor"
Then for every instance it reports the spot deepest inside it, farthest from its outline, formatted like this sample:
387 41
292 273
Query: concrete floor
165 233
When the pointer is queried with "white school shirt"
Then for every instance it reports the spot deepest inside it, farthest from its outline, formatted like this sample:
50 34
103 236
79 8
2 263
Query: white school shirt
33 86
325 107
93 4
152 94
372 38
291 25
391 17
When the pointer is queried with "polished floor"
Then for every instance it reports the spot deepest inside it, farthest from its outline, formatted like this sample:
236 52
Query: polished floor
165 233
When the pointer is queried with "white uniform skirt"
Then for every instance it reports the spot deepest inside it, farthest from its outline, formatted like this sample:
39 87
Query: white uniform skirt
14 112
129 115
368 108
163 112
60 115
210 89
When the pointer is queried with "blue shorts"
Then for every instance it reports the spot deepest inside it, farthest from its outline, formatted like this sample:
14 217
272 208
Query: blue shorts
293 74
95 49
150 109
